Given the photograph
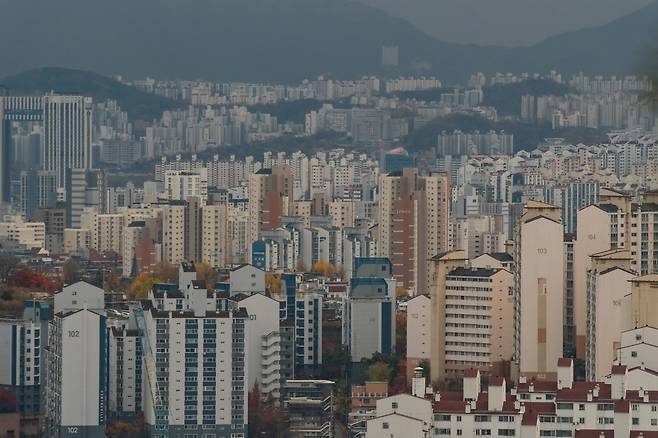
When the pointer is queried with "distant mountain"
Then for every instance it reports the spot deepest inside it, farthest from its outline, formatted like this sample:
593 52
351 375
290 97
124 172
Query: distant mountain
139 104
281 40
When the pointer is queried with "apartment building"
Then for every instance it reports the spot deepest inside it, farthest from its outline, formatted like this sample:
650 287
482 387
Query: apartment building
539 285
413 224
77 391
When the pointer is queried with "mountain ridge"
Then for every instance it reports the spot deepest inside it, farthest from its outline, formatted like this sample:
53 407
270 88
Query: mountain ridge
284 41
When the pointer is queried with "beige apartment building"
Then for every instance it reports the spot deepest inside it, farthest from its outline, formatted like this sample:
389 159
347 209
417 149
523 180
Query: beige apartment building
214 234
539 291
270 198
413 225
472 319
608 282
616 222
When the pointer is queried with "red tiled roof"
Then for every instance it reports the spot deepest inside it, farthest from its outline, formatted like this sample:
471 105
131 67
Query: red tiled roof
619 369
496 381
594 433
644 434
634 396
581 390
534 409
539 386
622 406
564 362
472 372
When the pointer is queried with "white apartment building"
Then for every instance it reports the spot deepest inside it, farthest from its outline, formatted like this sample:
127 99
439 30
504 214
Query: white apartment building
418 331
124 373
77 393
196 369
180 185
263 343
23 366
608 282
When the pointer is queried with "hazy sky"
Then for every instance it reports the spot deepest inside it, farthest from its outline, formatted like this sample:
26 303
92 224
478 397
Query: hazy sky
505 22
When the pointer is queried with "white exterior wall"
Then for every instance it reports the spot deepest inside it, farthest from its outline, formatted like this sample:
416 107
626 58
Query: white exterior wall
605 320
248 280
418 327
263 350
593 233
78 295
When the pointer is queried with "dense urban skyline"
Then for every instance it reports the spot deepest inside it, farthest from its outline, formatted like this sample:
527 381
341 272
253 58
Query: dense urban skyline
327 223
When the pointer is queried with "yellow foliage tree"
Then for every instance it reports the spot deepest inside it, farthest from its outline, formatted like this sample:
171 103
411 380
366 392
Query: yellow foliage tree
324 269
141 285
401 292
206 273
273 283
165 272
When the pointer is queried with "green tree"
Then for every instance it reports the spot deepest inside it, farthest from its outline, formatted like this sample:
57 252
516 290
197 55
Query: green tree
379 372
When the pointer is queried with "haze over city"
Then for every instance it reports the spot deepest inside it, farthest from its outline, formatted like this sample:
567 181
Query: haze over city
328 218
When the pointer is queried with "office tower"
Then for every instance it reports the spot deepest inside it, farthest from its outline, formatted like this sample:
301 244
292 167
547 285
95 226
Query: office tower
67 135
125 373
270 198
22 363
85 188
54 220
539 290
214 234
77 361
369 310
38 190
608 283
413 225
397 159
14 109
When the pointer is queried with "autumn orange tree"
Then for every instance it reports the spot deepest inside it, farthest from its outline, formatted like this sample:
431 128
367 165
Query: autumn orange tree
206 273
142 284
324 269
273 283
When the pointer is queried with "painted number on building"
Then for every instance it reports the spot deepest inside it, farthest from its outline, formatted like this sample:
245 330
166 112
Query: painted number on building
74 333
591 236
542 251
72 430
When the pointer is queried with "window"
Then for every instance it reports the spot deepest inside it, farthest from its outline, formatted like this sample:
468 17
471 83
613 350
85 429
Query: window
384 425
394 405
636 421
